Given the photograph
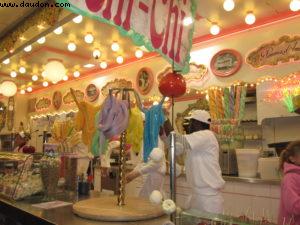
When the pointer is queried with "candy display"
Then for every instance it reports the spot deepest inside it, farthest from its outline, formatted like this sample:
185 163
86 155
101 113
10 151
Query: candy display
50 175
17 178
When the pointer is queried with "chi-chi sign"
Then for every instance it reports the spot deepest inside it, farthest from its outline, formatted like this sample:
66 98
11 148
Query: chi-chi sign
156 24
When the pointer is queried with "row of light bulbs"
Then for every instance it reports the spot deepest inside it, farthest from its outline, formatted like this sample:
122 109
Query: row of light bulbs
250 18
229 5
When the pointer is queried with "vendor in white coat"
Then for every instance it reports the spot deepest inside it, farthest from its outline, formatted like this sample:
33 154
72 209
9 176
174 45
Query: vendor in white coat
154 170
203 172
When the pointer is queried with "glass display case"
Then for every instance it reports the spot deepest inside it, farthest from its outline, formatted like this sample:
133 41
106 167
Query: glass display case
193 217
19 175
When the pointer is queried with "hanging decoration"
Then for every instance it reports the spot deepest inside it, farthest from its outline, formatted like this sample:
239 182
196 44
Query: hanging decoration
144 81
47 15
3 113
284 50
172 85
10 113
158 25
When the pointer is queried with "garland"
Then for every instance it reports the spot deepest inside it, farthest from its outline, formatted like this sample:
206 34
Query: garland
48 15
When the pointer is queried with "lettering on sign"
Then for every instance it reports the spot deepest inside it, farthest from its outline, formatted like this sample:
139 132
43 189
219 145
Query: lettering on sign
156 24
284 50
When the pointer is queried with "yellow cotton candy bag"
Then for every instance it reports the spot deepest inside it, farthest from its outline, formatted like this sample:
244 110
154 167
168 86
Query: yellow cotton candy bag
135 130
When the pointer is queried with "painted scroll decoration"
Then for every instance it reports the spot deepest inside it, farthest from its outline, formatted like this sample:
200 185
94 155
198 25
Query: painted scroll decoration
117 83
57 99
43 103
68 99
158 25
285 49
196 77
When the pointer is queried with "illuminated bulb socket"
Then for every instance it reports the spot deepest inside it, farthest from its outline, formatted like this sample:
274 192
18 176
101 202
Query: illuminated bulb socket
89 38
6 61
215 29
71 47
103 65
28 48
96 53
120 59
22 69
76 74
22 92
250 18
42 40
13 74
58 30
115 47
228 5
29 89
295 5
65 78
45 84
78 19
34 77
139 53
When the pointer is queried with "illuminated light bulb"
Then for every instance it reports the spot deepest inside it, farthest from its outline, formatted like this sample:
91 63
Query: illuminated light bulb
45 84
71 47
120 59
6 61
34 77
65 78
89 65
96 53
76 74
22 92
29 89
115 47
89 38
250 18
103 65
13 74
22 69
78 19
187 21
295 5
155 103
228 5
42 40
139 53
207 97
44 74
54 82
214 29
58 30
28 48
167 99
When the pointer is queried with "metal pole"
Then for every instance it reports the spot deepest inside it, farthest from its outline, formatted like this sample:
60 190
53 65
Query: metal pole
172 159
122 161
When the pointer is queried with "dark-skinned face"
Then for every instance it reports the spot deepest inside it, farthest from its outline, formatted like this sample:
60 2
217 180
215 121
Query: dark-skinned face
196 125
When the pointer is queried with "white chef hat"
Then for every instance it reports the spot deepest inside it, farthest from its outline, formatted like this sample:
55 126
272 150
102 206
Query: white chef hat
200 115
